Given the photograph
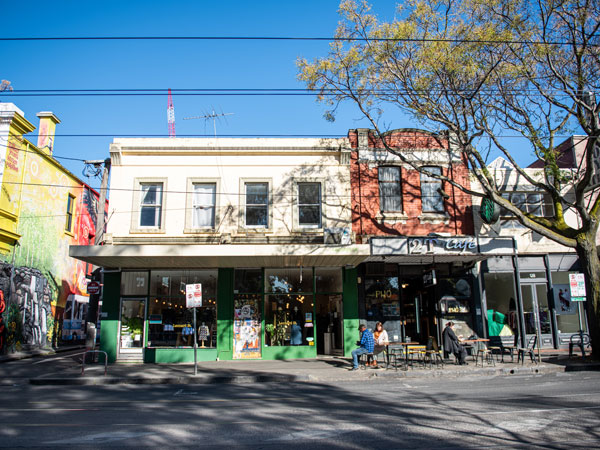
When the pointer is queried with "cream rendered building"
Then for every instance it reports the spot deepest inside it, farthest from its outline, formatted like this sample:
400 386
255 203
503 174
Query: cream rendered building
263 224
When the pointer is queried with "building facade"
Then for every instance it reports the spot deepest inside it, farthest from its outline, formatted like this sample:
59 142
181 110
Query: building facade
263 225
423 265
43 210
528 294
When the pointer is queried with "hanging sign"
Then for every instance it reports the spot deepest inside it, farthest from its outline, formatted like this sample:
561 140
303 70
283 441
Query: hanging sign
489 211
193 295
577 285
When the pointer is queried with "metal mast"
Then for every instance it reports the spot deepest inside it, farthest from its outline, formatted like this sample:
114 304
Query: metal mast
171 115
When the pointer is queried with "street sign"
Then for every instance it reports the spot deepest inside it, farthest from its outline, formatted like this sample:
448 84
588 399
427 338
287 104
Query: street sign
93 287
193 295
577 284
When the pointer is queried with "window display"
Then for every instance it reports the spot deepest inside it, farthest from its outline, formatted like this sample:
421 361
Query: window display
501 304
289 319
170 323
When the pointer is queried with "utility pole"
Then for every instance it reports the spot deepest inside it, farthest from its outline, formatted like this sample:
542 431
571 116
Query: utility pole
94 167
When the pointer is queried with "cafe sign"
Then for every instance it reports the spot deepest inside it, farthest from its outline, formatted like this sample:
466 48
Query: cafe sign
425 246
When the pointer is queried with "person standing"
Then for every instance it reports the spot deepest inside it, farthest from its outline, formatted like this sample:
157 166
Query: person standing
366 345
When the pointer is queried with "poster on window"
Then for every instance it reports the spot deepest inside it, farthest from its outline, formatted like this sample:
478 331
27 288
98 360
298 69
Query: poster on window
246 329
563 301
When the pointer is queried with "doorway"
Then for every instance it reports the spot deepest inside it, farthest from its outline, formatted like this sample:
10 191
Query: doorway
330 324
536 313
132 326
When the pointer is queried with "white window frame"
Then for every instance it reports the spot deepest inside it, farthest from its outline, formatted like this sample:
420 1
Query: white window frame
243 204
189 216
69 224
318 225
136 209
297 227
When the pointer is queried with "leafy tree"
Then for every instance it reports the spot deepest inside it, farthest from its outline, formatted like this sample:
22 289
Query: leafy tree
483 69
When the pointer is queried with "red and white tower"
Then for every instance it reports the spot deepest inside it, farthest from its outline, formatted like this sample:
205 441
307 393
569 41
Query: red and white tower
171 115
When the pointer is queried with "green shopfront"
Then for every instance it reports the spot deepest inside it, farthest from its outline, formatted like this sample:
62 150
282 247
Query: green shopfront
246 313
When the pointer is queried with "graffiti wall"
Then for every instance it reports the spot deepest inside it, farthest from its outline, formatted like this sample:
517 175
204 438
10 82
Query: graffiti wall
47 284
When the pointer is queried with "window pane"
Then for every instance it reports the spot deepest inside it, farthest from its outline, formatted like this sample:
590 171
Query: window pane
151 194
257 216
431 198
289 280
501 304
248 281
150 216
390 191
134 283
328 279
309 193
309 215
203 217
256 193
425 177
289 320
389 174
204 194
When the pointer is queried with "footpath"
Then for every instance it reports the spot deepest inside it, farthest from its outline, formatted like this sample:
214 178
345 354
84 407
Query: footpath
67 370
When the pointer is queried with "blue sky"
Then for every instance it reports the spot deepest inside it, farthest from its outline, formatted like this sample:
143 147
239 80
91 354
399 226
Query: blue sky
170 64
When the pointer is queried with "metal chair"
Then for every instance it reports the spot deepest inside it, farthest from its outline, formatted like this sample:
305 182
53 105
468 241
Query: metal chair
510 348
483 352
433 352
529 350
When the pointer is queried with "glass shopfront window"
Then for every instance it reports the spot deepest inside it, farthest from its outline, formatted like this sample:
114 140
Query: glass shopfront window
289 307
289 280
501 304
382 304
247 317
567 312
170 322
134 283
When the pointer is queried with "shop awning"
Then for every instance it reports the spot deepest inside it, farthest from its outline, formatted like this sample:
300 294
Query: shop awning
213 256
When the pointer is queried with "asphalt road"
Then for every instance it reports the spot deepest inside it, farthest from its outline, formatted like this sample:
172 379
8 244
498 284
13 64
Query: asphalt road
546 411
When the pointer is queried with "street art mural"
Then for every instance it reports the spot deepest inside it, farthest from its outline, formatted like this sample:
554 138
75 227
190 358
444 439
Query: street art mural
246 328
46 282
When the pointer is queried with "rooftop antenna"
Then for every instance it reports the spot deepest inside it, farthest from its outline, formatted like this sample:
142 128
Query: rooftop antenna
171 115
213 115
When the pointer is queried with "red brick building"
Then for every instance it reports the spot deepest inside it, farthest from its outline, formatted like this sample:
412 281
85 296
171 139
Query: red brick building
422 269
390 197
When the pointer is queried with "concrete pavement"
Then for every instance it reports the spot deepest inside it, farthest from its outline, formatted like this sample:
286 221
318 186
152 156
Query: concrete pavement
67 370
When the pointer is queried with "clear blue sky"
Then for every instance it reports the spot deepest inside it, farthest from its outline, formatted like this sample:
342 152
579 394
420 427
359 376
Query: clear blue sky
170 64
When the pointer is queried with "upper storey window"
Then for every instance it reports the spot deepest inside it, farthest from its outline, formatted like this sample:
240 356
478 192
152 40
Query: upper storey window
257 205
151 205
432 200
390 189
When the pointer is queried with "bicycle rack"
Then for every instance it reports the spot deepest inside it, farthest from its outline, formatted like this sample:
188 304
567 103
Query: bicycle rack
95 351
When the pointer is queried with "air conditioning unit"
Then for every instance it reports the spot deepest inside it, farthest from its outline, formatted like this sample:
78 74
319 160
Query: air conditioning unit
337 236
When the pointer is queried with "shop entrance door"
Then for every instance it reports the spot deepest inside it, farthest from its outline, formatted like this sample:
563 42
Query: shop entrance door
131 336
330 324
536 313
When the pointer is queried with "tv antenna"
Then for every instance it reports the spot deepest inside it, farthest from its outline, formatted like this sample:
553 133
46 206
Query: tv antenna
212 115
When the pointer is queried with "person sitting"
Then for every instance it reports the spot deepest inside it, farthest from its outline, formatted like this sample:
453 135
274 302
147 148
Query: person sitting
381 341
452 344
367 345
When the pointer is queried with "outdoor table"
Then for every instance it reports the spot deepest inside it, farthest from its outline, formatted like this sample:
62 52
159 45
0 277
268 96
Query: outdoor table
406 345
473 341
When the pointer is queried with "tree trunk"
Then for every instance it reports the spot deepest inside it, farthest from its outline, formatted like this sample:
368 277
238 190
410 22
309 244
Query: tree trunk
590 264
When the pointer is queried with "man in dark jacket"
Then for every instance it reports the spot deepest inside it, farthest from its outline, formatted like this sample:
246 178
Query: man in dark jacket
453 345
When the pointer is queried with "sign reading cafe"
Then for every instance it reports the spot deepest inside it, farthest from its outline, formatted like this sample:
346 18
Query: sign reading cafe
424 246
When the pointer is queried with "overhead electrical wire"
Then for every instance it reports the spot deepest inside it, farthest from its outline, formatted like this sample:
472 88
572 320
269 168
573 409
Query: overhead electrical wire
292 38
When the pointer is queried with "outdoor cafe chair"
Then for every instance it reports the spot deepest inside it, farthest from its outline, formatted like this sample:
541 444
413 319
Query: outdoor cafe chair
433 352
529 350
484 353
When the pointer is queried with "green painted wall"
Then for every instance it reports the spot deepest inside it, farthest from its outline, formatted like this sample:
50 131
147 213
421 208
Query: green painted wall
350 310
109 330
225 314
293 352
180 355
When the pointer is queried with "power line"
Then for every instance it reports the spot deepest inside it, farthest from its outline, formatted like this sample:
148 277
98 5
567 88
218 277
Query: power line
291 38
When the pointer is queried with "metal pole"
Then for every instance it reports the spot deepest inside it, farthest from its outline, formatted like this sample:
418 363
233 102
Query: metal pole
195 345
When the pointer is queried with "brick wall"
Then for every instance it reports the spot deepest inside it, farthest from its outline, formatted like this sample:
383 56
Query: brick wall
367 220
